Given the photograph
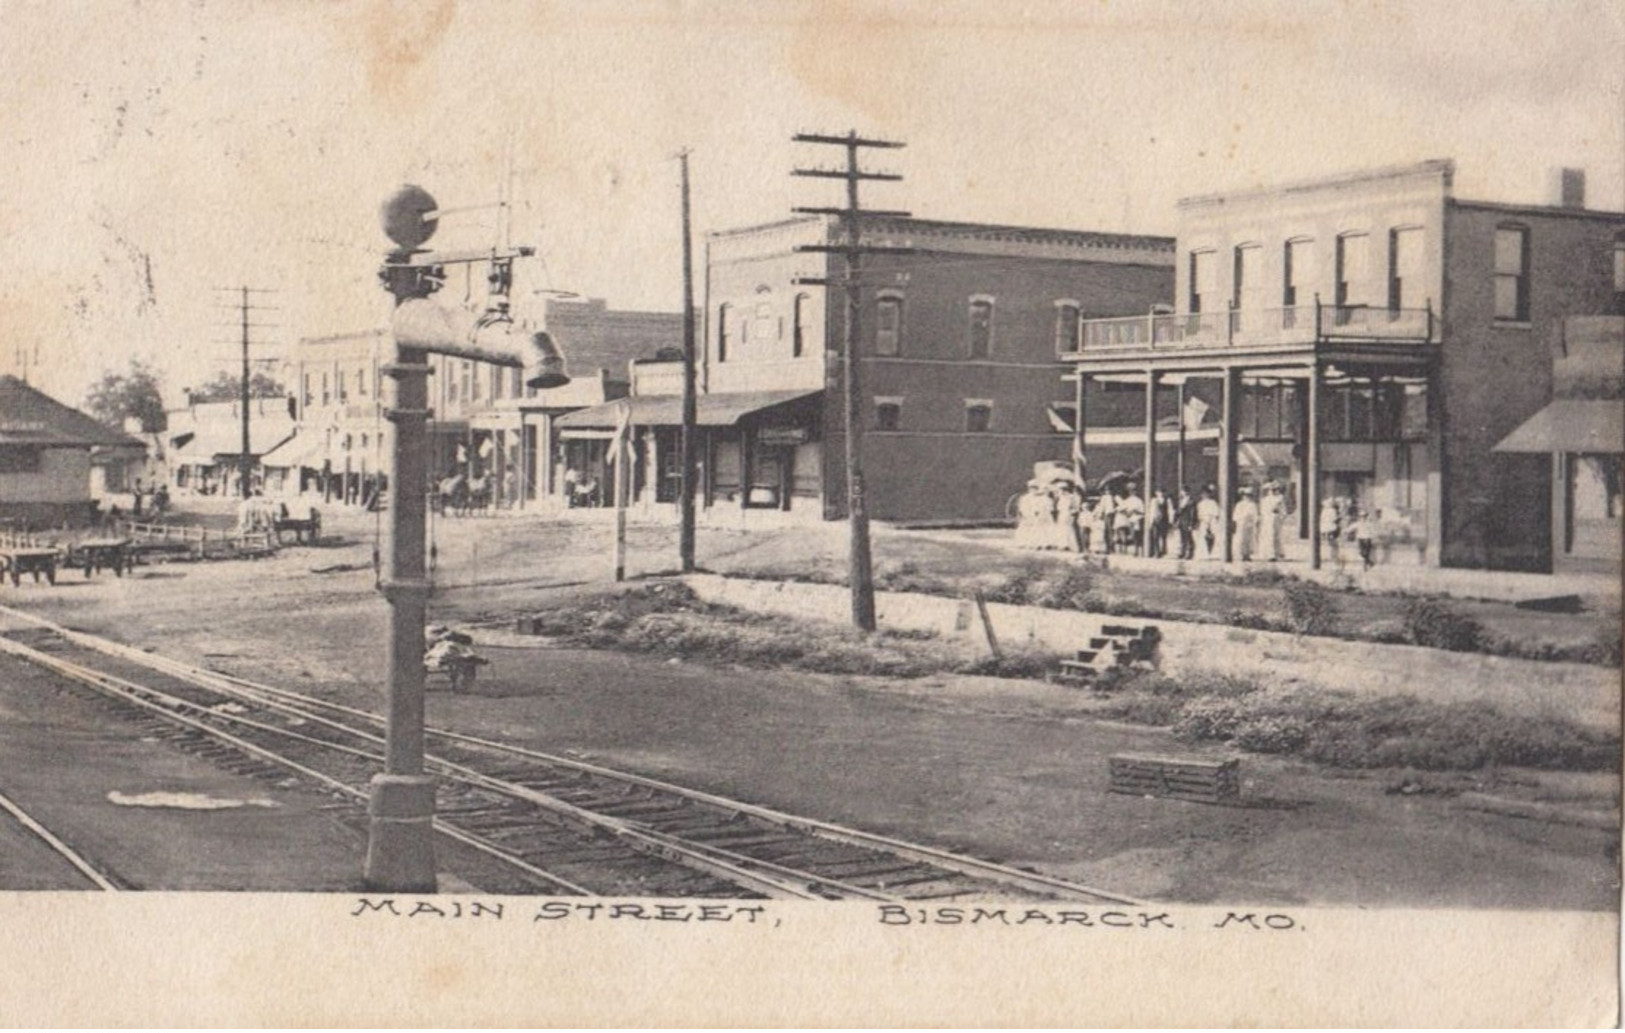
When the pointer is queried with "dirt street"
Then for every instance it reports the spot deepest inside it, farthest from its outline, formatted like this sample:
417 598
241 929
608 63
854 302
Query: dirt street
1010 770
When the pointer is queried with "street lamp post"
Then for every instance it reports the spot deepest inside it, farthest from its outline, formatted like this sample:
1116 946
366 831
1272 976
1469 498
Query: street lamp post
400 847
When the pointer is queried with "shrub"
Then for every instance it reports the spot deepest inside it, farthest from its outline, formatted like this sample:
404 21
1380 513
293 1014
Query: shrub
1018 663
1310 609
1016 588
1431 623
1068 588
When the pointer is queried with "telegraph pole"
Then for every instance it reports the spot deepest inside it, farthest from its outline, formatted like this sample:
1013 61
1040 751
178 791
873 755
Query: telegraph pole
246 460
685 501
860 572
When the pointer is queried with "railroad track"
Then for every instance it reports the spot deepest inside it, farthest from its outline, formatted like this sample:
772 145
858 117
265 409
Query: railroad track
528 821
85 870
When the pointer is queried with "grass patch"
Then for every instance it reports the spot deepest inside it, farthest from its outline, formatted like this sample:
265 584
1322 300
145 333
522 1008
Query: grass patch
1305 608
1346 731
668 619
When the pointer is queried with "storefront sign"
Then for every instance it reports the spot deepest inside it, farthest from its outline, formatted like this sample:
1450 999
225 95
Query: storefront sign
782 435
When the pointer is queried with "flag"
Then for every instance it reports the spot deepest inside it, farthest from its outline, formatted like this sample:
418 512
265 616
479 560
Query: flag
1195 410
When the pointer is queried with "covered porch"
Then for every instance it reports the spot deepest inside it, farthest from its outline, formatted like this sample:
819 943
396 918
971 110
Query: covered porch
1336 407
758 450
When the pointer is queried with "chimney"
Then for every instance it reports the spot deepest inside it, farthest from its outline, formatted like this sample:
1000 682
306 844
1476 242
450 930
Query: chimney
1569 187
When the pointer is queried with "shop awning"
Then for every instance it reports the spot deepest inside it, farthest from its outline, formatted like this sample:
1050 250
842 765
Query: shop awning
1571 425
711 410
299 450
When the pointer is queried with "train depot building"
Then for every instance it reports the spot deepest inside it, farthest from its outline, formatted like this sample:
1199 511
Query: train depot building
959 368
1372 338
55 461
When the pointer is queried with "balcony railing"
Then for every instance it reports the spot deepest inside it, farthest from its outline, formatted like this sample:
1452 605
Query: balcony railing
1299 324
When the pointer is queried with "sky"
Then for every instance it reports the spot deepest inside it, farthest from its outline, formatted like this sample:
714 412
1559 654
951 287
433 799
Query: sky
154 152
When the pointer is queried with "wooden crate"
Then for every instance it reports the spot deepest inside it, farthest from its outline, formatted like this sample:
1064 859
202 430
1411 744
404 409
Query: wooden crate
1183 778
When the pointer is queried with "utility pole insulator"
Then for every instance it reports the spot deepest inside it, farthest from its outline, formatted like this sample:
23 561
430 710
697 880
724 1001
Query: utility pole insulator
849 245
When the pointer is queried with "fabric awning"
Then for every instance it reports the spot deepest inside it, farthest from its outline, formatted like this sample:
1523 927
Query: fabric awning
206 444
299 450
711 410
1571 425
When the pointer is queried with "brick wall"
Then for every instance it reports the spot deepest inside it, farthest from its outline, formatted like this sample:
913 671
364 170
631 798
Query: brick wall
1496 374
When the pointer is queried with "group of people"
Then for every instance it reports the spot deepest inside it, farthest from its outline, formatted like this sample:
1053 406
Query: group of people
1058 515
1342 520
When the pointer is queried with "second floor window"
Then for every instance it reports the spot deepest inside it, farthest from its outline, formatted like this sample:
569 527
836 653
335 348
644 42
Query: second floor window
723 330
889 326
1512 274
1066 328
981 328
1353 265
803 326
1200 294
978 416
1404 269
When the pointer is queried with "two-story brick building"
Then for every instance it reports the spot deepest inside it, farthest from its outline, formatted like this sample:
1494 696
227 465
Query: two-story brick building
959 364
1371 337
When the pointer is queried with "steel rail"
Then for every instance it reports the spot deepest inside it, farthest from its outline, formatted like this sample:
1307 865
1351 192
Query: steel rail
947 860
715 861
67 852
138 695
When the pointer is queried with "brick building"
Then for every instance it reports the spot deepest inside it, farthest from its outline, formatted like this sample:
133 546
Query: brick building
1370 337
960 369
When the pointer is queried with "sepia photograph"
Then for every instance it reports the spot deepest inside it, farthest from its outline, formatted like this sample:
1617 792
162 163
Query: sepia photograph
812 512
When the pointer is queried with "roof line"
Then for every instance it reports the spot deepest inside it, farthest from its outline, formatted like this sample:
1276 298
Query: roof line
1445 167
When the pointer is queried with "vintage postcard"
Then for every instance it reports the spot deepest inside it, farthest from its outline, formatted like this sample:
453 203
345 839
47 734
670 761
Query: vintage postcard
811 513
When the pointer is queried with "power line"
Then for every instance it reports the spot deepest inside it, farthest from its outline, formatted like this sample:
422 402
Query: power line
247 458
860 564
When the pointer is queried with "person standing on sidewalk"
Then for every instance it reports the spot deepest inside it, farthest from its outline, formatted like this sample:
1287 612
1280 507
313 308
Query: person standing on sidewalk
1272 512
1209 516
1185 522
1245 517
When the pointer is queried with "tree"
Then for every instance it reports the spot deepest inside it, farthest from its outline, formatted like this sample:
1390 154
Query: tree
134 394
228 387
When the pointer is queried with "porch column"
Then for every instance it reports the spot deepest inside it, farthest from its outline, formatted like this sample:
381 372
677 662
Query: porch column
744 469
1179 457
708 456
1151 378
544 457
499 476
1079 425
1311 503
1230 419
1436 513
1300 423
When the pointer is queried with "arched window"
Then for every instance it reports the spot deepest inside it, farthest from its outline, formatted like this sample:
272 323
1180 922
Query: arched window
1404 268
889 324
1066 327
1353 269
981 327
803 326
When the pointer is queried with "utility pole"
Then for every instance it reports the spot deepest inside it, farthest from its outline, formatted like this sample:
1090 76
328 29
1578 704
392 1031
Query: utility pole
246 459
860 573
685 498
